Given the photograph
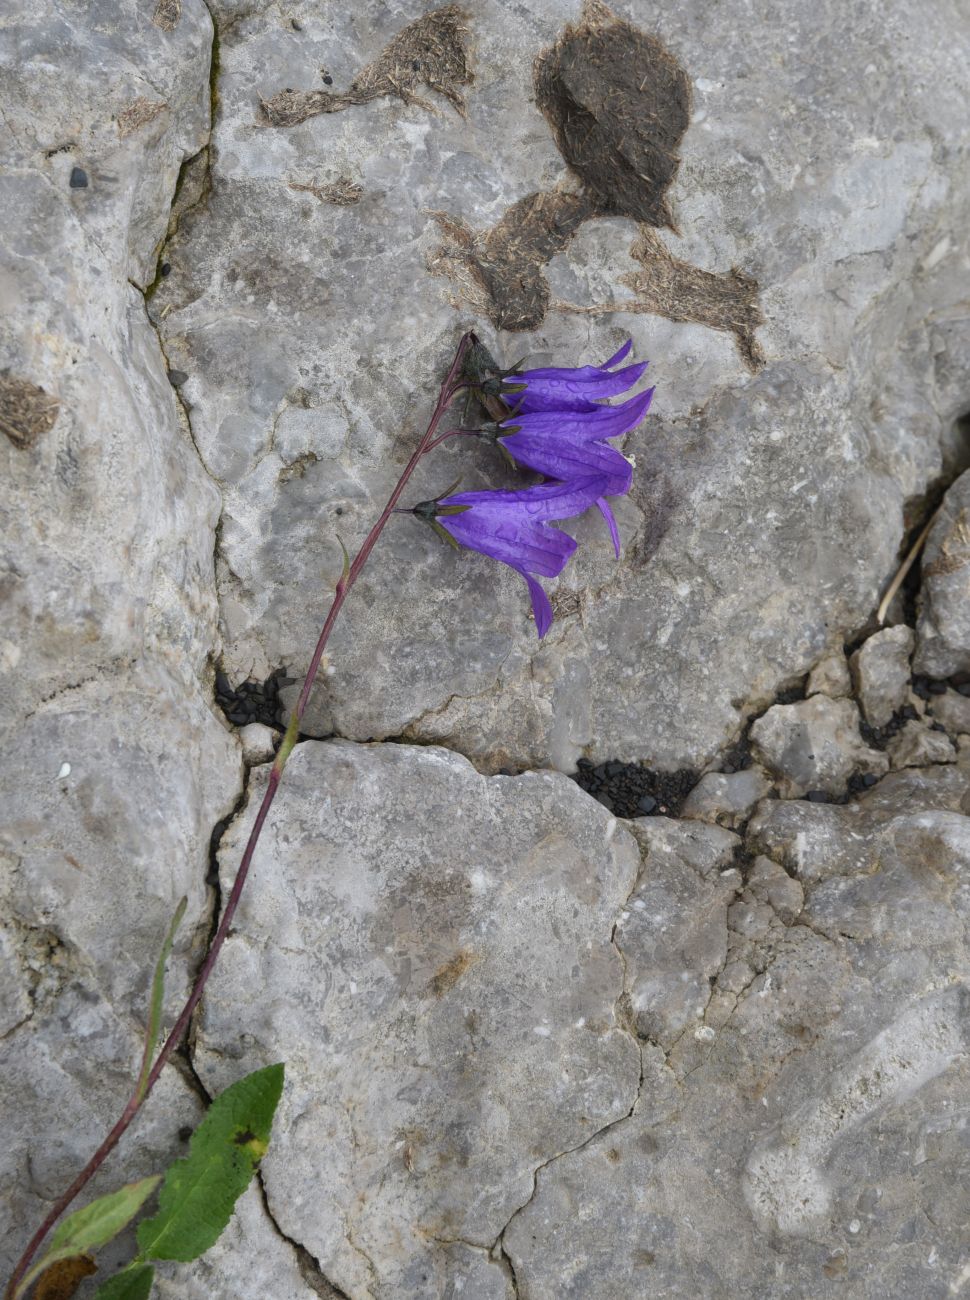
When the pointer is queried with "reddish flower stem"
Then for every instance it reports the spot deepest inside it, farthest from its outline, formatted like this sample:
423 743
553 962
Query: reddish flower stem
449 388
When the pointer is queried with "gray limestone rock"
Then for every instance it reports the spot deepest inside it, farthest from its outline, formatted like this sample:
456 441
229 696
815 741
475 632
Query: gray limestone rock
917 745
814 745
803 1140
672 928
430 953
943 631
727 798
881 673
830 676
313 334
952 710
258 743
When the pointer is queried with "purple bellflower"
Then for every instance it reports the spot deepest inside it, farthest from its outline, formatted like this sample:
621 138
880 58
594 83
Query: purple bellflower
514 527
571 388
569 444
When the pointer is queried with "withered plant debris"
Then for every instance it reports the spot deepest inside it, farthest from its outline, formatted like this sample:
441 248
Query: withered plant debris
501 268
139 113
343 191
681 292
26 411
167 14
432 51
618 104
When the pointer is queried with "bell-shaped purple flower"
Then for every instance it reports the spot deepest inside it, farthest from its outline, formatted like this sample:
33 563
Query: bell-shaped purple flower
514 527
571 388
569 444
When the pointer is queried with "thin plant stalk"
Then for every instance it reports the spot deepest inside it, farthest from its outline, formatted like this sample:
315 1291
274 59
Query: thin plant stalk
452 384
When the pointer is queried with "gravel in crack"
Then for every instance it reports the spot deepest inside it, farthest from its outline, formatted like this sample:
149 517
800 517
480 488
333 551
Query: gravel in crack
252 701
629 790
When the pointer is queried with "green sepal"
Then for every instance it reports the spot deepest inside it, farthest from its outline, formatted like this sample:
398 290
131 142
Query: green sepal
452 510
444 534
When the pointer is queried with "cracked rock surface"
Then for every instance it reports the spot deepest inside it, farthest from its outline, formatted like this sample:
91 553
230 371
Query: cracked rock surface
533 1052
443 989
767 508
803 1138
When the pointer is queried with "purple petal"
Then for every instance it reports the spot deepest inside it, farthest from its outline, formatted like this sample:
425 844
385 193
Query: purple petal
608 515
541 608
599 422
617 357
549 452
544 502
521 545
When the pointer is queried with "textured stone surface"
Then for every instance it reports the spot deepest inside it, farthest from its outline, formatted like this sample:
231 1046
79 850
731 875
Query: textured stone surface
767 508
830 676
917 745
806 1138
442 987
814 745
114 768
953 711
943 631
727 798
880 670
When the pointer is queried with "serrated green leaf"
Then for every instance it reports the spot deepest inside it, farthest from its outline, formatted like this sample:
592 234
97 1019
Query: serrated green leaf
155 1004
197 1198
93 1226
134 1283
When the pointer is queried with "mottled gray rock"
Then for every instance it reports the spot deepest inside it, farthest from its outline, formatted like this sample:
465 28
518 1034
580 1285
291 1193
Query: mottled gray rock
880 670
952 710
113 769
943 630
313 336
830 676
727 798
917 745
814 745
811 1113
432 954
258 743
672 928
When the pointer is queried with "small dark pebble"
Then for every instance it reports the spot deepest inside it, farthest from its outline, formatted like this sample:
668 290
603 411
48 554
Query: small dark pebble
908 712
600 771
869 779
165 268
817 796
328 80
938 726
79 179
606 801
964 688
614 768
415 65
646 805
922 687
938 688
177 377
223 684
238 717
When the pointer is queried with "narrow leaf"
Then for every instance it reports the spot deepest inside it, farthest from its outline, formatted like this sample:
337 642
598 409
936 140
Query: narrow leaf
93 1226
197 1198
63 1278
134 1283
155 1005
346 569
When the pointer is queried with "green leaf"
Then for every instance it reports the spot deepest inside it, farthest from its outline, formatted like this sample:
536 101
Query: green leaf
155 1005
199 1192
134 1283
93 1226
